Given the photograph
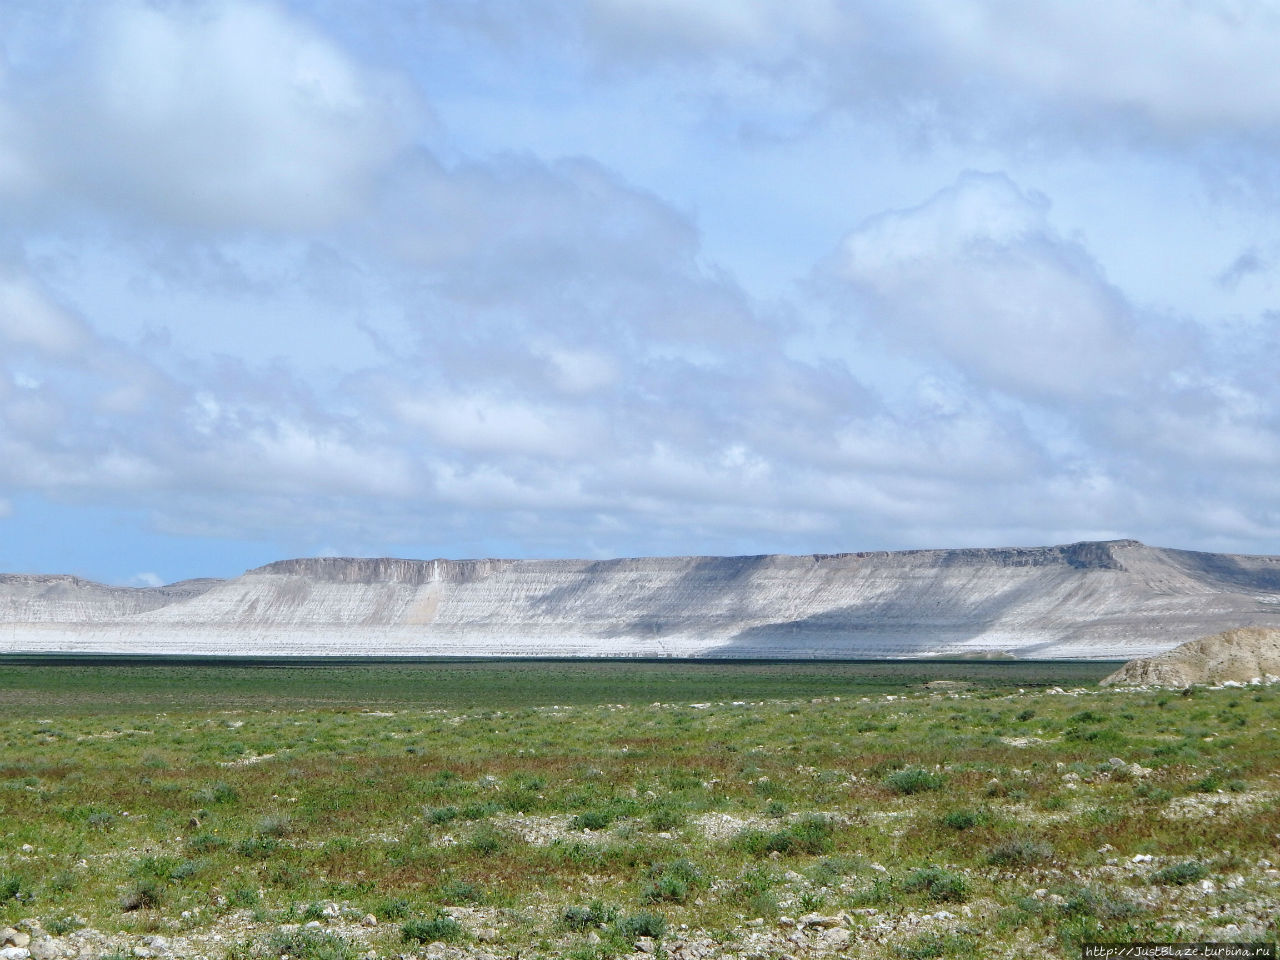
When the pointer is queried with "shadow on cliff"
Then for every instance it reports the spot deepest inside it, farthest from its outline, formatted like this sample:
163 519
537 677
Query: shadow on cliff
911 621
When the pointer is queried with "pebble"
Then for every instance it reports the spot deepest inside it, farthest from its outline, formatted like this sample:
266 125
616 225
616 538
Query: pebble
14 953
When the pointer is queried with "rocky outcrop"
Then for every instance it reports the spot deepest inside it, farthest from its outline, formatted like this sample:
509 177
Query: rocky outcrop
1098 600
1242 655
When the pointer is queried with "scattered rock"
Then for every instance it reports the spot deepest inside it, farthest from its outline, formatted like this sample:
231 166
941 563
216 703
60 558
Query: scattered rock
369 920
834 938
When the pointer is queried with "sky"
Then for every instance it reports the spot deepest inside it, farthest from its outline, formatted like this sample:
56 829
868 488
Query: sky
597 278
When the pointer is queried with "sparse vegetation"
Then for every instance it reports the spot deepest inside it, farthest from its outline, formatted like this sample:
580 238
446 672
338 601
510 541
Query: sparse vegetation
559 830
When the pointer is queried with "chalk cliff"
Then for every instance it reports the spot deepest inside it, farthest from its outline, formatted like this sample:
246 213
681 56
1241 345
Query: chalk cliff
1107 600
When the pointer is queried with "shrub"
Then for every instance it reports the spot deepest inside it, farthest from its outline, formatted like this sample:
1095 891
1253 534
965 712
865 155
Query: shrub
10 887
256 848
928 946
592 820
1018 852
937 884
217 793
594 914
310 945
441 815
395 908
488 840
642 925
143 895
460 891
811 835
186 870
243 896
276 825
440 928
666 818
962 819
673 882
1180 874
1087 902
205 843
913 780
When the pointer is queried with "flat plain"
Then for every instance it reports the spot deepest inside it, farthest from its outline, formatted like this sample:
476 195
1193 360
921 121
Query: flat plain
593 809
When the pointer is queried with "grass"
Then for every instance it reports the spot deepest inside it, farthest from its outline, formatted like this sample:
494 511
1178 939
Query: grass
569 816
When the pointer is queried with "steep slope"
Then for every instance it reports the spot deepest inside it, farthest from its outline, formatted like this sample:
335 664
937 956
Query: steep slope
1240 656
1116 600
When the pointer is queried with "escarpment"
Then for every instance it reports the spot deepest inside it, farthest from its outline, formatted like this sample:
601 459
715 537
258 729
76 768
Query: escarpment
1095 600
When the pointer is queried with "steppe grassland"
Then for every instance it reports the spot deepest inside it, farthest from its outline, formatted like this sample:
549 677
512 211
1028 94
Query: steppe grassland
976 821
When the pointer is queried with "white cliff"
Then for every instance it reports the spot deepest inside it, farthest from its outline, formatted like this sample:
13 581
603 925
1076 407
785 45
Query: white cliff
1113 600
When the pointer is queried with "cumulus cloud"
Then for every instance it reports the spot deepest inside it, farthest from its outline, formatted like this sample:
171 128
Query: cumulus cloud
226 114
977 276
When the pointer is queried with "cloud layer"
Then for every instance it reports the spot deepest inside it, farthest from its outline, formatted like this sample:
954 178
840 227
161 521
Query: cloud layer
259 281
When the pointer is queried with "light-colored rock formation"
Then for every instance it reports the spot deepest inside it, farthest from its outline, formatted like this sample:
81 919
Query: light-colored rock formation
1233 656
1112 600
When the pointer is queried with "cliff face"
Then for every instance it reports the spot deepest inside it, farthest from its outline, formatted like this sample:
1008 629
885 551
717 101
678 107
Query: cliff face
1116 599
56 598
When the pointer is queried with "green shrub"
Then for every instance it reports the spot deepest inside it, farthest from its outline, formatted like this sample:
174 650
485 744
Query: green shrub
673 882
441 815
440 928
937 884
394 908
488 840
1180 874
61 926
1018 852
275 825
812 835
962 819
594 914
1087 902
143 895
256 848
913 780
205 843
592 820
457 892
641 925
10 887
217 793
666 818
310 944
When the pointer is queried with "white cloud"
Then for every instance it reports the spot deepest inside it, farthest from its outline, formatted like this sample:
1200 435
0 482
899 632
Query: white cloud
977 277
225 114
29 319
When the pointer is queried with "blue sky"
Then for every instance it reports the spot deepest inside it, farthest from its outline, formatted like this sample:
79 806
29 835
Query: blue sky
620 277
